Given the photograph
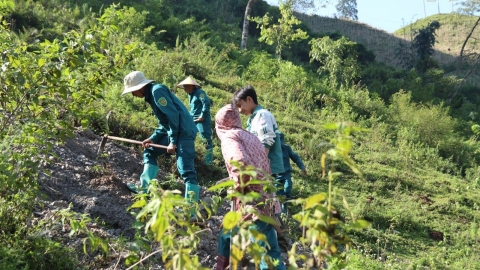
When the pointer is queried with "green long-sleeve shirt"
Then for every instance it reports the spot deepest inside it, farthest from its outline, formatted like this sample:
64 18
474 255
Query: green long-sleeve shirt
199 105
288 154
173 117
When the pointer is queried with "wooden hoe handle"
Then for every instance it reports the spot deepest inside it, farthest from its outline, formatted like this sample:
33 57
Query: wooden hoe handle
134 141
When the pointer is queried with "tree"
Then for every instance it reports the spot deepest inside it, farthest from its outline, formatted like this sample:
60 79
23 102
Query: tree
295 4
280 34
305 5
471 55
338 59
469 7
405 55
423 44
347 9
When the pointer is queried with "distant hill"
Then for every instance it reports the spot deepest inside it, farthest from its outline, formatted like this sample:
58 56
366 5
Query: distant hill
450 36
380 42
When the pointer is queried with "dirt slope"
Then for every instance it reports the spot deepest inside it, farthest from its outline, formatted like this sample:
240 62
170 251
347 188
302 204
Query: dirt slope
97 188
75 178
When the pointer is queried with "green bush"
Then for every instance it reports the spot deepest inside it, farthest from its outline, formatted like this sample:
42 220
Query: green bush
22 251
292 84
432 127
358 103
262 67
49 89
430 124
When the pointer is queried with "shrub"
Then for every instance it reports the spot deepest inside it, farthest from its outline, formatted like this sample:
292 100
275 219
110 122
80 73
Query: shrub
292 84
430 126
261 67
47 90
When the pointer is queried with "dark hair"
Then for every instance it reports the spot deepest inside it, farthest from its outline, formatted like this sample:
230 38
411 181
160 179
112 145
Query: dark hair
243 93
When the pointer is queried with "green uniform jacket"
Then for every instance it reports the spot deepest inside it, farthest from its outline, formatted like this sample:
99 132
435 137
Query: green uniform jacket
288 154
173 117
199 105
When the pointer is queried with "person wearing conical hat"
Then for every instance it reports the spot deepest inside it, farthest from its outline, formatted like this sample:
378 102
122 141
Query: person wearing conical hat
200 112
176 129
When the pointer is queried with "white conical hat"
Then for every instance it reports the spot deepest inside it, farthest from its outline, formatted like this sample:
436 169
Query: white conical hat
134 81
188 81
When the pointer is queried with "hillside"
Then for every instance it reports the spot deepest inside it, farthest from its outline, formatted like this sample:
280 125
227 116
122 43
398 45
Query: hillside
393 167
449 37
380 42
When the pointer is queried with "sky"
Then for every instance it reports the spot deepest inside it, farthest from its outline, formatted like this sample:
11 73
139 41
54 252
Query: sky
391 15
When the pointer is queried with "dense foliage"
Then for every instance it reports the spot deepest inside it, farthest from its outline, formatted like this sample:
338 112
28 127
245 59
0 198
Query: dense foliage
63 64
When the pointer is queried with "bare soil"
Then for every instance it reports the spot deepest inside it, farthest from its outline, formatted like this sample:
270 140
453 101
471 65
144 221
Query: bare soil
75 178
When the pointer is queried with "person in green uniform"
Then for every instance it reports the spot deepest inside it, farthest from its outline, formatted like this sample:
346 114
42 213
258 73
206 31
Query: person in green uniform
176 129
200 112
285 178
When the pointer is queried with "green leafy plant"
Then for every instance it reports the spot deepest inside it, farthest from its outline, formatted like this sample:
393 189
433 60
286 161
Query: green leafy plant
47 91
79 225
283 33
476 129
166 218
245 239
338 59
324 229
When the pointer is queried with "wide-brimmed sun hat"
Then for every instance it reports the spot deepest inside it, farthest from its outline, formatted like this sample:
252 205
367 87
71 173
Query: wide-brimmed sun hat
133 81
188 81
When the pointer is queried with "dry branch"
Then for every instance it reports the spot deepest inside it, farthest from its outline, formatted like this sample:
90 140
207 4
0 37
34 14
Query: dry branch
460 58
466 41
465 77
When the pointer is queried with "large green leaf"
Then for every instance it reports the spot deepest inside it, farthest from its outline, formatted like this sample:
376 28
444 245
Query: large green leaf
231 220
314 200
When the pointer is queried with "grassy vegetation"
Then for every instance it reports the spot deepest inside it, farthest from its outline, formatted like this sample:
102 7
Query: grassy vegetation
419 157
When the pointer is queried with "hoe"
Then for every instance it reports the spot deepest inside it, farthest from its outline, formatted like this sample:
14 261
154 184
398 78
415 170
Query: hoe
106 137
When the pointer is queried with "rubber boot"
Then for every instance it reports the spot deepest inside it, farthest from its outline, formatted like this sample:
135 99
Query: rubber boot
133 188
149 172
192 198
196 190
209 157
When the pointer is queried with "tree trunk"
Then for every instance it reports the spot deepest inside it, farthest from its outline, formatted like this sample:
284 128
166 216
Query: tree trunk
246 22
